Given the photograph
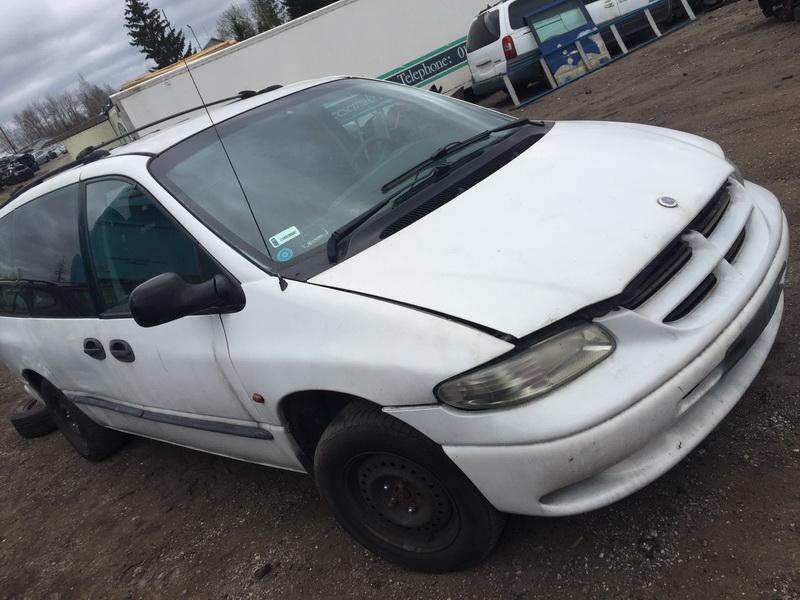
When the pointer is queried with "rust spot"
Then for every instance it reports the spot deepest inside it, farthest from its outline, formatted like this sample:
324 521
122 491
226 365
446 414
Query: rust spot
258 398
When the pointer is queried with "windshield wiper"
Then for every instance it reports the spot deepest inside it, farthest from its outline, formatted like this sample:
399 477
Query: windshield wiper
449 149
338 236
345 230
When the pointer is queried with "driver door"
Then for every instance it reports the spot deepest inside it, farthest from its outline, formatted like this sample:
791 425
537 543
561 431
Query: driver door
174 382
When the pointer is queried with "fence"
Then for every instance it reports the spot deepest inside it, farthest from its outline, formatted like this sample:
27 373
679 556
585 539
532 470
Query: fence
561 45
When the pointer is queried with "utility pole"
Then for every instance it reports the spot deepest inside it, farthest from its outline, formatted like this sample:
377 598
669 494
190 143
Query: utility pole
8 140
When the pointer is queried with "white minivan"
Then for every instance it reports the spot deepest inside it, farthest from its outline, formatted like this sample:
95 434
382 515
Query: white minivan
438 311
501 42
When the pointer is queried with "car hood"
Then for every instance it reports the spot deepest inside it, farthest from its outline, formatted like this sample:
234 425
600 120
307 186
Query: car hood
568 223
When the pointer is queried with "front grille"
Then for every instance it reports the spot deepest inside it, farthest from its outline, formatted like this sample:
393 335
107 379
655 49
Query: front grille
706 222
671 261
699 294
665 266
736 247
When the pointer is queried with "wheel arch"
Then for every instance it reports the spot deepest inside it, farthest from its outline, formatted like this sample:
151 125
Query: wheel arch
308 413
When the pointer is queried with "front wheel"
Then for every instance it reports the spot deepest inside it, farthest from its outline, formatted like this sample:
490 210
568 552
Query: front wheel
398 494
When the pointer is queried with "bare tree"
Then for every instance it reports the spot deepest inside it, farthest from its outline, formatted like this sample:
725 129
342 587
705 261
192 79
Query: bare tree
235 24
56 114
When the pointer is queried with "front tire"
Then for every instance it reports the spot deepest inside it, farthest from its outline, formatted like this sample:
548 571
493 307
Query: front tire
92 441
398 494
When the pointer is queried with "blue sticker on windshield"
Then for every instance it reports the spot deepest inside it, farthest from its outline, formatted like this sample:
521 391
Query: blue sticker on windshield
285 255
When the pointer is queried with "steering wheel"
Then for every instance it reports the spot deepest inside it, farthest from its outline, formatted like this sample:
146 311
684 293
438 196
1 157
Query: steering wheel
373 151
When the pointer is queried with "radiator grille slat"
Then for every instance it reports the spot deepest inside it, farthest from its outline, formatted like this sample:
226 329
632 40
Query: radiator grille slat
677 255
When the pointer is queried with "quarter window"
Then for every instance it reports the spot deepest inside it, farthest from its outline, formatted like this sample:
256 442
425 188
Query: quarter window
133 240
46 277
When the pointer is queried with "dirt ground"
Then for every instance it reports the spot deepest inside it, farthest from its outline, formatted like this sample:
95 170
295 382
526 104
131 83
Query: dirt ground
160 521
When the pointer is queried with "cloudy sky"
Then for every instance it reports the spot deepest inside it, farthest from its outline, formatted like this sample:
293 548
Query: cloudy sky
45 44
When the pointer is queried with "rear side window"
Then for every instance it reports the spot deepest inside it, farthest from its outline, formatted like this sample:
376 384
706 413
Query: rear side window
133 240
47 277
517 11
485 30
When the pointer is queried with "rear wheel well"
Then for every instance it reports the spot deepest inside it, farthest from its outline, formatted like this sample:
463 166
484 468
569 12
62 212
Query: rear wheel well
307 415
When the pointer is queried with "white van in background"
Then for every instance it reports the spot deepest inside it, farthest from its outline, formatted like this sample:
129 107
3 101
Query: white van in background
499 38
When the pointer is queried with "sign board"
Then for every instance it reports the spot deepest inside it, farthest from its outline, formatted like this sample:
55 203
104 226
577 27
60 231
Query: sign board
431 67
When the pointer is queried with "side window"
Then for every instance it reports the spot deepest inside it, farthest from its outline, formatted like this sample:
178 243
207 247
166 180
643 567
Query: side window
132 240
46 255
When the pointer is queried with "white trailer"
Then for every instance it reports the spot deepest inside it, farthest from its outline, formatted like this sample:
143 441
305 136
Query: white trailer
414 42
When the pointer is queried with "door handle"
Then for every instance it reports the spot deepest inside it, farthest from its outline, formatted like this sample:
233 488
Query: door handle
121 350
609 5
93 348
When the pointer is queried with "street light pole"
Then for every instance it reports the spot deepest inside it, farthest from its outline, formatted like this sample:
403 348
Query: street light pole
199 47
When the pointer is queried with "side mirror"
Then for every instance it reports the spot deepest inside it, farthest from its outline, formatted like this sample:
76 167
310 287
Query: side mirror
168 297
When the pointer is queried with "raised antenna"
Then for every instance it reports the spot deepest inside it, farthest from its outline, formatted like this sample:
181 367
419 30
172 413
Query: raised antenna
281 281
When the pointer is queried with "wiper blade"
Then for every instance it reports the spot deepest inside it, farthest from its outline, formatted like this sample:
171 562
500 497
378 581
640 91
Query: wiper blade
452 148
345 230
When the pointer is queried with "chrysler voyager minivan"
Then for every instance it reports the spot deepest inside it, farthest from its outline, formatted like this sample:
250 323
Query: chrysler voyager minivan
439 312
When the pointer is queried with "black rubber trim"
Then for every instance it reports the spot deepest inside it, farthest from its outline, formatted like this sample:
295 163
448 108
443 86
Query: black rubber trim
98 403
188 422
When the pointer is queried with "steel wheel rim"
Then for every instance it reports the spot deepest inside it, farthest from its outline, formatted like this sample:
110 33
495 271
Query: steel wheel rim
70 426
401 502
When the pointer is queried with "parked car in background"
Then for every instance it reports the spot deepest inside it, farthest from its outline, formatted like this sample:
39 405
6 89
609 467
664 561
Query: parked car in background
16 172
500 40
41 157
357 279
28 160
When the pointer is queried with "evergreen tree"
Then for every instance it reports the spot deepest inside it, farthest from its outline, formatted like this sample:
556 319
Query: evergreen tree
150 31
298 8
265 14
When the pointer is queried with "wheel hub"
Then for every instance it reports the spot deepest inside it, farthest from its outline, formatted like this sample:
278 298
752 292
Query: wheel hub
403 495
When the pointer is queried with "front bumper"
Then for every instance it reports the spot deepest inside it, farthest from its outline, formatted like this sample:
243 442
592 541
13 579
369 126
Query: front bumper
624 434
604 464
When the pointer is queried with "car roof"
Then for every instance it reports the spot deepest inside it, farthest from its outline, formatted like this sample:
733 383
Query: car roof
161 140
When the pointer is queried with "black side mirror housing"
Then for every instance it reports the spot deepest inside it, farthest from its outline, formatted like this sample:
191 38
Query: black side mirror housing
168 297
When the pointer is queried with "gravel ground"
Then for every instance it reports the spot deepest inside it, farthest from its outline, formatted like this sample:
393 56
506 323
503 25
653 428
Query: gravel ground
157 520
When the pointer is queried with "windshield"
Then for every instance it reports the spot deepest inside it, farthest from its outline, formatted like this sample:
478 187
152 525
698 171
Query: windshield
312 161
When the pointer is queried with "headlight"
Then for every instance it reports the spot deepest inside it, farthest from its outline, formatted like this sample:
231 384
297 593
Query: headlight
737 174
531 373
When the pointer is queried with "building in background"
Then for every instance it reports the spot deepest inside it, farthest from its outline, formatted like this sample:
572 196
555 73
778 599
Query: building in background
414 42
94 132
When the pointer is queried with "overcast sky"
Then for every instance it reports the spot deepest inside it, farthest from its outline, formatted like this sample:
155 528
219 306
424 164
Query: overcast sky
45 44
